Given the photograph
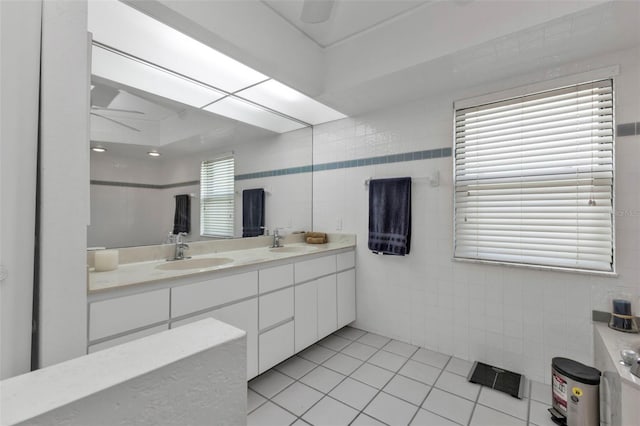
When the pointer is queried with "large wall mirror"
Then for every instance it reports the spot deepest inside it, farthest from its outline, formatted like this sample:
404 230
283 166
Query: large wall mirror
133 193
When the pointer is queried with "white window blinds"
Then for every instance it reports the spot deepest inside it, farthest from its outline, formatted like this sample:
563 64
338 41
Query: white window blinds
534 179
217 197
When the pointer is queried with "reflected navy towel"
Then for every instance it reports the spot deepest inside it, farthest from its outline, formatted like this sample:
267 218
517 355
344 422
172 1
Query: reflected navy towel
252 212
182 215
390 216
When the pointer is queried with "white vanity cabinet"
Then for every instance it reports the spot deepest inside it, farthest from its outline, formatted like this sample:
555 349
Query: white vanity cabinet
126 314
283 306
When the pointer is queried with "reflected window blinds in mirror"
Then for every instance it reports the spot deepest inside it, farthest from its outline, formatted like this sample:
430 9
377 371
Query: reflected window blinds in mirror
217 197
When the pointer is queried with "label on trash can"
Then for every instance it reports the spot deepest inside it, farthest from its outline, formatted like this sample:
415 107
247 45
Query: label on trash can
559 390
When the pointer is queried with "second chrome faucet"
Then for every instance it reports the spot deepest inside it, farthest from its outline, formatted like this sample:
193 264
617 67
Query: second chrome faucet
180 247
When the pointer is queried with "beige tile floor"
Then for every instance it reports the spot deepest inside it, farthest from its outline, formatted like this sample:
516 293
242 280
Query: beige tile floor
357 378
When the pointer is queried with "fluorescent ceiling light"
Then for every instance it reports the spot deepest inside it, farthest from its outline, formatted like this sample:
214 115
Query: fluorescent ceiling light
135 50
120 26
127 71
98 149
153 154
279 97
244 111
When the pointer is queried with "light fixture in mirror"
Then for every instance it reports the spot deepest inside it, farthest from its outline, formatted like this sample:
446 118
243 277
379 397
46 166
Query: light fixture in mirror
136 50
121 69
121 26
248 113
98 149
280 97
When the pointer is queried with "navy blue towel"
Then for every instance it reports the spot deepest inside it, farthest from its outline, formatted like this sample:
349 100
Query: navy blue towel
252 212
390 216
182 215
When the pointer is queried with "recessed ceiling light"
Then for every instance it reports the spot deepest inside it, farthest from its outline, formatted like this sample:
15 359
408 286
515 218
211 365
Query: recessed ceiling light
98 149
153 154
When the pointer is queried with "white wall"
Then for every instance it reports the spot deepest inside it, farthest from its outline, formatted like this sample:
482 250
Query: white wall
64 181
126 216
517 318
19 63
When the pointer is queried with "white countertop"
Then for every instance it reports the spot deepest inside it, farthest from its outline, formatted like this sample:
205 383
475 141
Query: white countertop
615 341
145 272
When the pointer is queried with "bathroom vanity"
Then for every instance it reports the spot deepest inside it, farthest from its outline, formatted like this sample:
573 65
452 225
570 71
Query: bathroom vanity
285 298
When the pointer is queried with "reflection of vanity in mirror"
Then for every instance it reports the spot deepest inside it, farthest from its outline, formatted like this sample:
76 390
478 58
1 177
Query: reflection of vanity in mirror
156 137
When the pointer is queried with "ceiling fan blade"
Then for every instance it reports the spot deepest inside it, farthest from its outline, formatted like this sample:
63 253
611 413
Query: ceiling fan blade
115 121
102 95
316 11
133 111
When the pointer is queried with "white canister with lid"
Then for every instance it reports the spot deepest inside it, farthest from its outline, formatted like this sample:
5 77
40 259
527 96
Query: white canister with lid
106 260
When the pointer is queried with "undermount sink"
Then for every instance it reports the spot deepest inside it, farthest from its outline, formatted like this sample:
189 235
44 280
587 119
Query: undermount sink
178 265
293 249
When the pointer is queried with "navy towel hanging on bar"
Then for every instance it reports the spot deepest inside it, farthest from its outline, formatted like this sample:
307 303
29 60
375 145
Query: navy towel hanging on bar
182 215
252 212
390 216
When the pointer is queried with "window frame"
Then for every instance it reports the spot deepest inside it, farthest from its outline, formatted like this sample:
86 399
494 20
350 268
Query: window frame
230 224
513 94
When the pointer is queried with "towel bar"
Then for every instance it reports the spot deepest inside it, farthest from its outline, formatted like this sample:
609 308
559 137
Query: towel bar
434 179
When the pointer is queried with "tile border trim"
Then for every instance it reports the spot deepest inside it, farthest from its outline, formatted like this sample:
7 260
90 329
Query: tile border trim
628 129
428 154
360 162
143 185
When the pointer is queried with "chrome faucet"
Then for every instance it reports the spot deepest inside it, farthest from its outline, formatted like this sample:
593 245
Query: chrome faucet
276 238
180 246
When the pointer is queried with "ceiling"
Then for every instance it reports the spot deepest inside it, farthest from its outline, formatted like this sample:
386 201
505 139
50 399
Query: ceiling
348 18
372 54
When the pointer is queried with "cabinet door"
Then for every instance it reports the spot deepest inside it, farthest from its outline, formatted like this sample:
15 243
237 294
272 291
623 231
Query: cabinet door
276 345
327 306
306 315
121 314
276 307
243 315
346 282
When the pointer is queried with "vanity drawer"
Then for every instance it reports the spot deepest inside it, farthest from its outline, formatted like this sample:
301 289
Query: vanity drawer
310 269
275 307
346 260
207 294
121 314
275 278
275 346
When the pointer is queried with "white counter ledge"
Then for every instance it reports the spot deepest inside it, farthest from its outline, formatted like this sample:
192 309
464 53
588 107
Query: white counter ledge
614 341
150 271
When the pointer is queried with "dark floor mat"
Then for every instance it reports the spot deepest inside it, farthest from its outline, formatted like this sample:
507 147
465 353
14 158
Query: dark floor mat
498 379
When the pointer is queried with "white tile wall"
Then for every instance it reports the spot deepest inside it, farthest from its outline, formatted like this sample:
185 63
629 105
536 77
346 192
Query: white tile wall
514 317
122 216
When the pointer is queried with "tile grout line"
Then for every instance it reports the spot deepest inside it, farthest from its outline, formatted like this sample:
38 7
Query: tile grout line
444 367
529 403
383 386
475 405
340 382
